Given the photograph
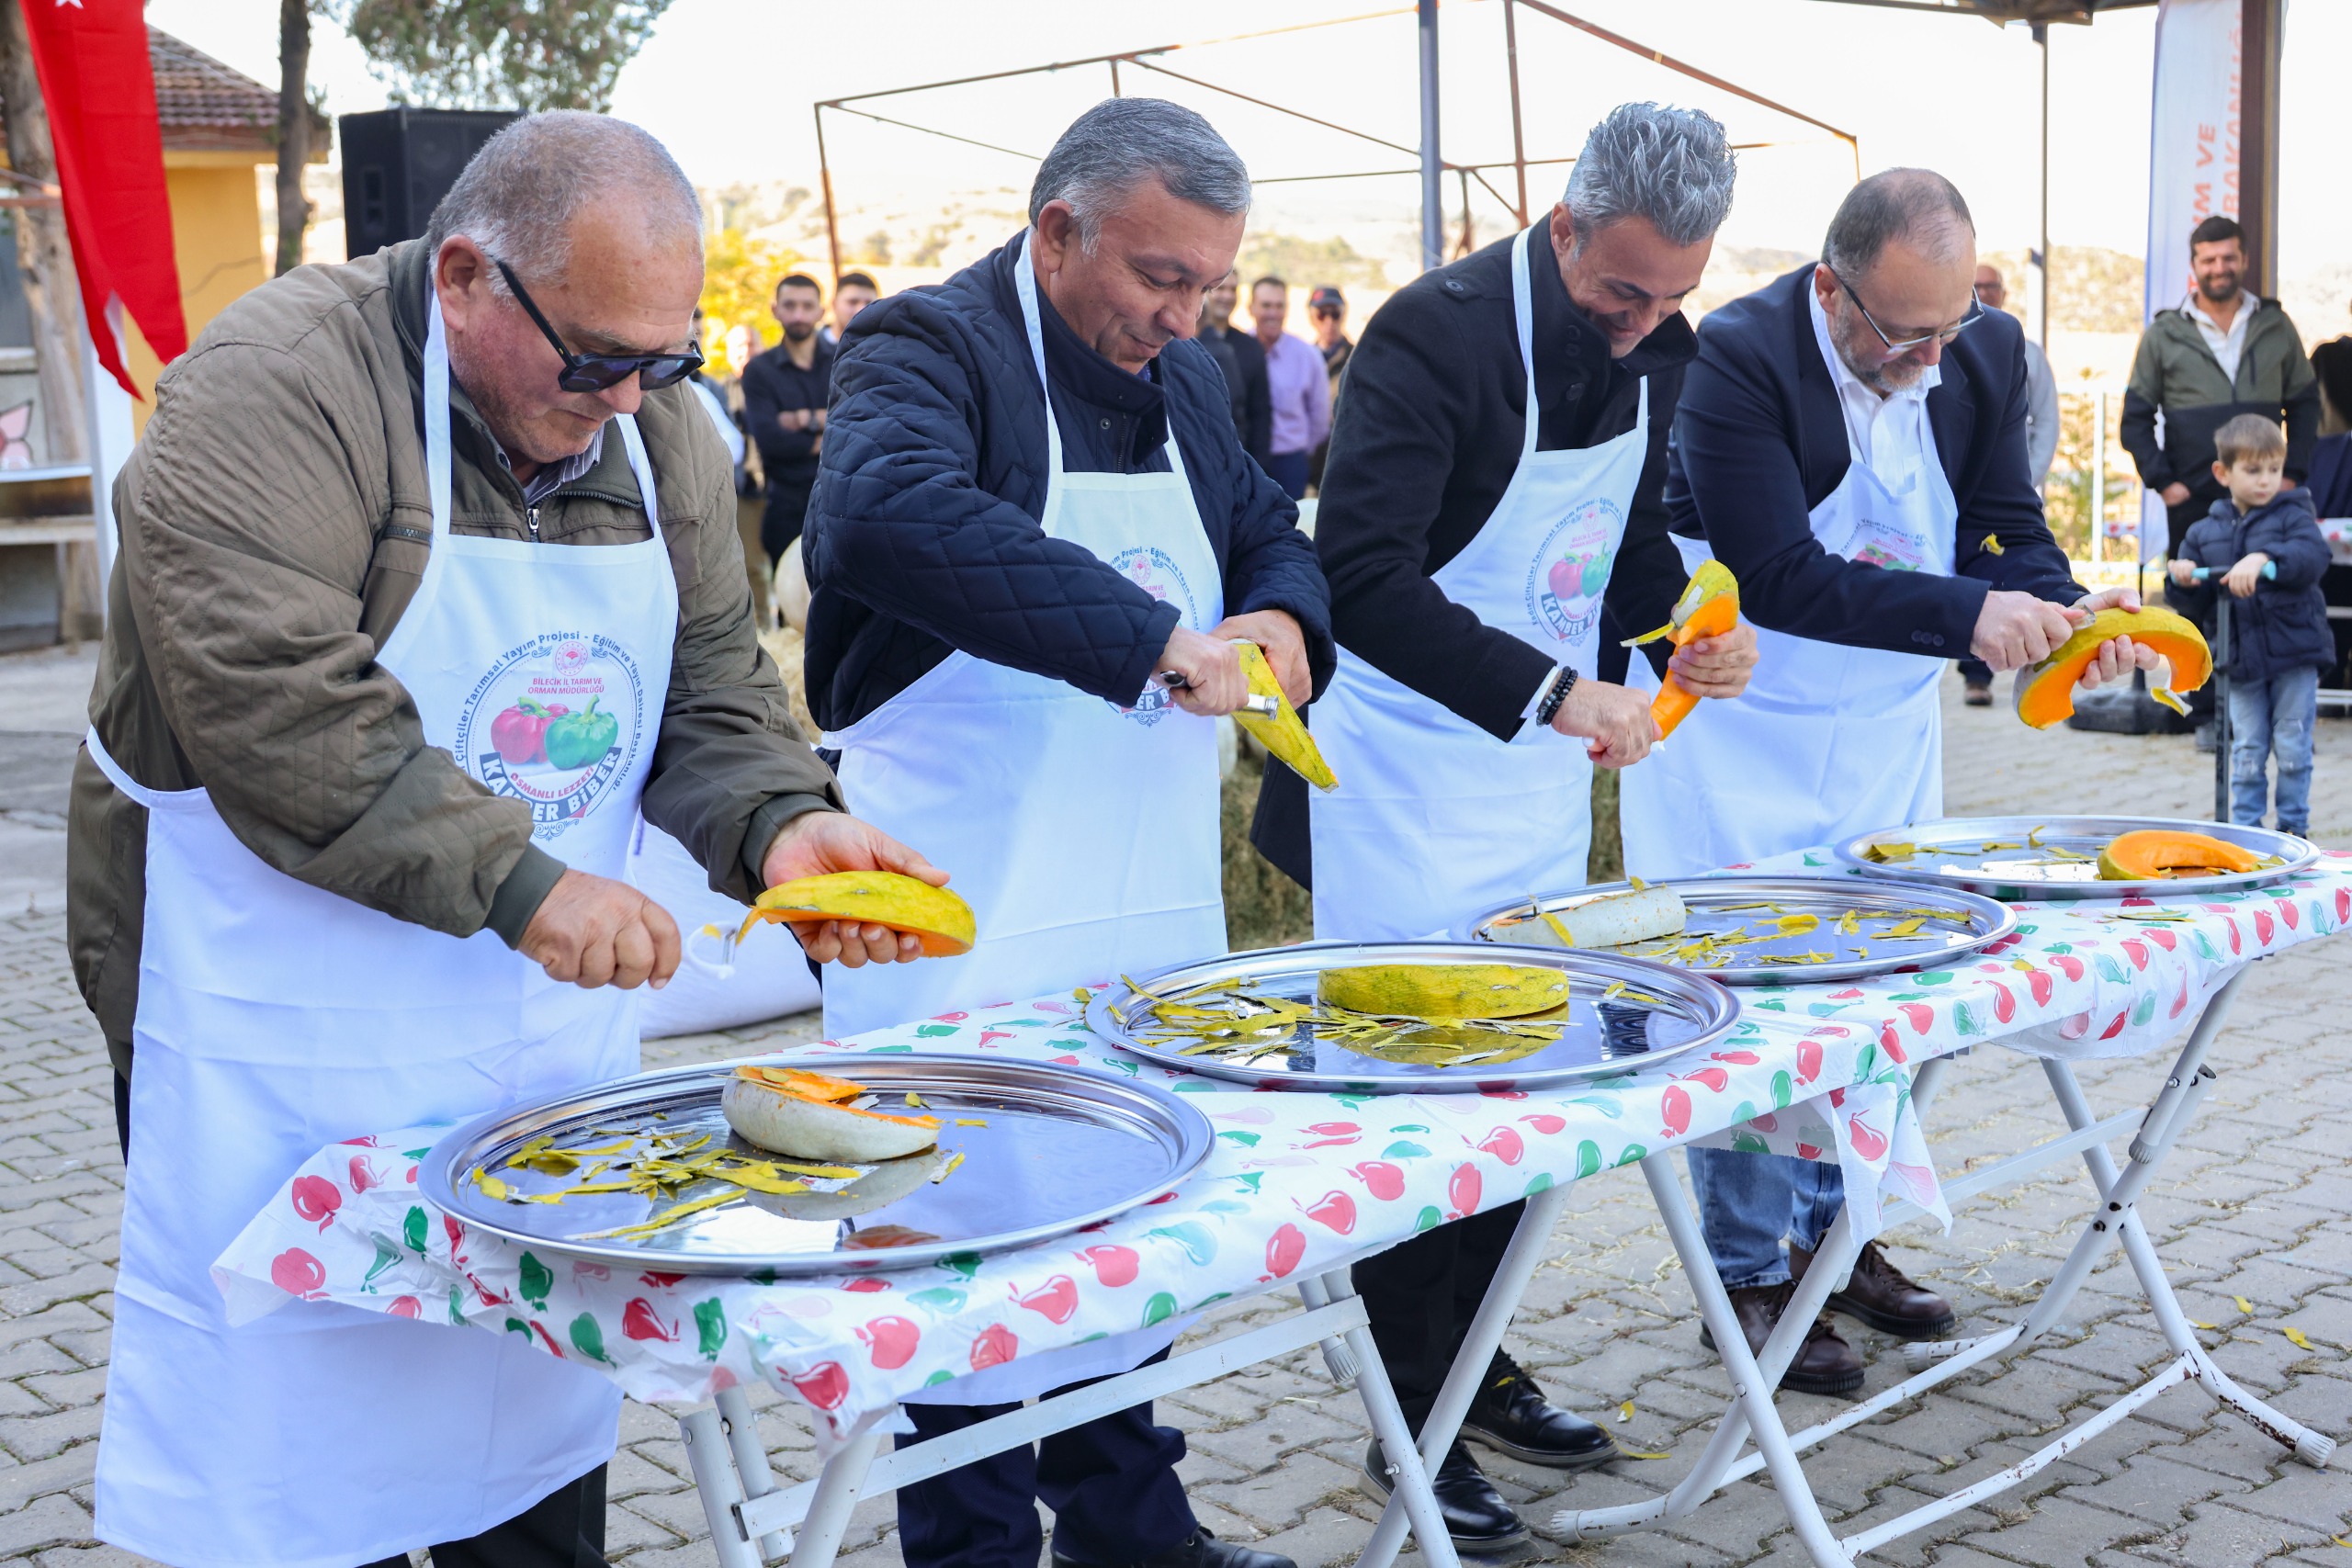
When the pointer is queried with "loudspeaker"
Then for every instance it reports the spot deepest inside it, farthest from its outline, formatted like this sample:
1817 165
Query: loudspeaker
397 166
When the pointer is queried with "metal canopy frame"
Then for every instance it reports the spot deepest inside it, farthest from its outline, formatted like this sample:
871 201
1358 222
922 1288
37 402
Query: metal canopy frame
1428 162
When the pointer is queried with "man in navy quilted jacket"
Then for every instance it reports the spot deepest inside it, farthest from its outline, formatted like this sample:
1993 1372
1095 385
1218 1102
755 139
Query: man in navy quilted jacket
1033 544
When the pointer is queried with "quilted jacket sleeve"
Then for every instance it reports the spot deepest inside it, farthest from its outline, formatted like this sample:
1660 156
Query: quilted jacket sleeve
902 522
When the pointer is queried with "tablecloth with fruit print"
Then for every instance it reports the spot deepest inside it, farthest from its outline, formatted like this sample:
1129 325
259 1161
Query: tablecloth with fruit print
1297 1182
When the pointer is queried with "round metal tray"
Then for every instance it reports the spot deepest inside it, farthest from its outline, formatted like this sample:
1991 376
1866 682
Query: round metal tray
1061 1148
1597 1037
2009 858
1734 905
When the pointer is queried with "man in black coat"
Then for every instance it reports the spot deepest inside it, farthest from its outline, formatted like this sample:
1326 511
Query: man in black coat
1243 359
1851 444
784 393
1429 469
1000 569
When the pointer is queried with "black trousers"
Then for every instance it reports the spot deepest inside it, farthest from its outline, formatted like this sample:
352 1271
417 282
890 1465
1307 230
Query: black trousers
1112 1486
1421 1295
788 506
564 1530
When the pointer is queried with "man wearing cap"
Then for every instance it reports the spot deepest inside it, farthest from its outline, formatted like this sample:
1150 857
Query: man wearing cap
1327 307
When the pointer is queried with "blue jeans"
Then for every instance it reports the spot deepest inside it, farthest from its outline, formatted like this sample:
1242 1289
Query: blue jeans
1288 470
2267 717
1747 1202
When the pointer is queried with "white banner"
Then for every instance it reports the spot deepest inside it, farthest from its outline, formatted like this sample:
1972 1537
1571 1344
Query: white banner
2192 164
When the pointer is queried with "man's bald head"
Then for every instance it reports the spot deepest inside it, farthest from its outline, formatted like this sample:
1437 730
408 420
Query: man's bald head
523 197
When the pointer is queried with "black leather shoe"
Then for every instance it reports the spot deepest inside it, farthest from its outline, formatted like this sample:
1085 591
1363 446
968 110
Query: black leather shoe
1886 1298
1511 1417
1977 697
1475 1515
1200 1550
1824 1363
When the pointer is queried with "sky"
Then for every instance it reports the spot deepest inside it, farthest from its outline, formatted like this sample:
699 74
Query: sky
728 85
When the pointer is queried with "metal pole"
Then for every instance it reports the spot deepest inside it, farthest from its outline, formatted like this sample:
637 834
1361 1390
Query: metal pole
1433 195
2221 702
1518 141
2099 478
2259 25
2041 256
832 223
1114 79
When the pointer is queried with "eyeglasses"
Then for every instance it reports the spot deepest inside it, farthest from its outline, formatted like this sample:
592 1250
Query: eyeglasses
601 372
1976 312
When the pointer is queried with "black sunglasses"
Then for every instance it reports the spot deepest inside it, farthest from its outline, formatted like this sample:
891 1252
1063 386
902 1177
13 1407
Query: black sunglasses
601 372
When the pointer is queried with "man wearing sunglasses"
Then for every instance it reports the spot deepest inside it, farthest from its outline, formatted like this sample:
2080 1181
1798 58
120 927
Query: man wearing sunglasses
429 587
1851 444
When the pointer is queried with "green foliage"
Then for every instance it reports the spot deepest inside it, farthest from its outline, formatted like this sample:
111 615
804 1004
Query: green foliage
738 276
526 54
1307 264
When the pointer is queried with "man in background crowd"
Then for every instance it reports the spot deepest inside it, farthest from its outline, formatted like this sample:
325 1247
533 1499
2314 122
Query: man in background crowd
2040 444
852 292
1244 363
1297 386
2223 351
1329 309
785 392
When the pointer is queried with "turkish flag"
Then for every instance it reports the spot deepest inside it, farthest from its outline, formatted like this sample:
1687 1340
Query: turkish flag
92 55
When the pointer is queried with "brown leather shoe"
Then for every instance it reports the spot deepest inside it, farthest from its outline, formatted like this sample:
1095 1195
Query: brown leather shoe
1824 1363
1886 1298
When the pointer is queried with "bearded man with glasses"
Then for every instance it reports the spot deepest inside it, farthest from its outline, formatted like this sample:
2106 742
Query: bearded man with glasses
1851 443
429 587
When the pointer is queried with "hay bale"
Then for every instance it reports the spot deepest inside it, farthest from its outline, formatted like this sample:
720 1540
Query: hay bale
789 650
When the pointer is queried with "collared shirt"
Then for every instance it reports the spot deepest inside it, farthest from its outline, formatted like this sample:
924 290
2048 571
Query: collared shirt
553 477
1301 390
1885 432
2228 347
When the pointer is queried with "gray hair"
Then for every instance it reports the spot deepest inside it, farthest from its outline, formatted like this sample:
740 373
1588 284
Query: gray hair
1119 143
1672 166
1917 207
518 197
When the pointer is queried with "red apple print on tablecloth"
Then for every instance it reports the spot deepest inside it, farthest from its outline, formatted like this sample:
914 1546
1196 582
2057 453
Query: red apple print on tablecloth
824 1385
2005 1003
316 1198
298 1273
1920 1015
2180 1002
1674 1105
889 1342
866 1284
2112 1030
1283 1249
362 1174
1334 1134
994 1346
2042 986
406 1306
1383 1180
1544 1123
1866 1139
2163 939
1504 1143
2136 951
1890 1042
2068 965
1056 1301
1334 1210
2265 928
1808 1059
1736 1058
1463 1189
1113 1266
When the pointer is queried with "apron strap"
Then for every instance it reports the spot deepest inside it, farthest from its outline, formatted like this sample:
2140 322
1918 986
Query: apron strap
642 467
1024 285
150 798
436 414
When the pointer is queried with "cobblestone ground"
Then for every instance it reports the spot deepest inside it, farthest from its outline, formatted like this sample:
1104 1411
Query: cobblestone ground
2254 1217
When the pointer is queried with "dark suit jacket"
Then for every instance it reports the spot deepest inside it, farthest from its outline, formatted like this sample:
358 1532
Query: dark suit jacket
1759 441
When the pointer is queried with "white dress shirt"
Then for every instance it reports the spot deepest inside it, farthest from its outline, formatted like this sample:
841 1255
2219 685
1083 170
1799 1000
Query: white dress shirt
2228 347
1885 432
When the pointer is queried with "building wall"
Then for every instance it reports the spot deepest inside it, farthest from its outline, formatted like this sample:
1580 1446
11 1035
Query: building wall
216 238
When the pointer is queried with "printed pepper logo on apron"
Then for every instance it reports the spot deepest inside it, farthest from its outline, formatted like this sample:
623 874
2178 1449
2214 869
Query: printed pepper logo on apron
1890 546
1156 573
552 723
1564 582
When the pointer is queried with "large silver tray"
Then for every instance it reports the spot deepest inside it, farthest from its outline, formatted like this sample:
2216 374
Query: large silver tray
1955 853
1062 1148
1596 1037
1729 906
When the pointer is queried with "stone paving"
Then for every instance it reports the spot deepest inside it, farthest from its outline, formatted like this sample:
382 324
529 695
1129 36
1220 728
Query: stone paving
1273 1449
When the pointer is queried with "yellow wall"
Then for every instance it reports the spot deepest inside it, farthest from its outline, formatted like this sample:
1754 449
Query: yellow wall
216 238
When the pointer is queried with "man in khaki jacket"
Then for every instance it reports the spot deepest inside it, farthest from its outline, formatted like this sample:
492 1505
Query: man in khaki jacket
330 841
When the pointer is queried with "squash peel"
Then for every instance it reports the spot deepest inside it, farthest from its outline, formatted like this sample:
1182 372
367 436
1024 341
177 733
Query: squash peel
1443 990
1284 733
2155 852
1709 607
2046 690
943 921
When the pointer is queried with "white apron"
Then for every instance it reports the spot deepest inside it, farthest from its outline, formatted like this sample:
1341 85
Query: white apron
1083 834
275 1018
1826 740
1435 818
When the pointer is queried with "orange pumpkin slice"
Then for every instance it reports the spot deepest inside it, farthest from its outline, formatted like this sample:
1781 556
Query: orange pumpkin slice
2154 852
806 1115
2045 692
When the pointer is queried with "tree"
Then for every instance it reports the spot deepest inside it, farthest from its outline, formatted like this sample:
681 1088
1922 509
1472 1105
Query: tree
526 54
43 251
293 128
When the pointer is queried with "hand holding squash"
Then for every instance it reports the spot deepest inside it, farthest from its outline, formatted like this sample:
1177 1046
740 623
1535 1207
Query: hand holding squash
817 842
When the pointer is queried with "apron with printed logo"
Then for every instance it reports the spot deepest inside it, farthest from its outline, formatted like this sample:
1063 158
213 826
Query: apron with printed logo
1083 834
1435 818
275 1018
1827 740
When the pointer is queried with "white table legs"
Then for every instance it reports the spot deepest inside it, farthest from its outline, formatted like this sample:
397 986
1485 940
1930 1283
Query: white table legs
753 1523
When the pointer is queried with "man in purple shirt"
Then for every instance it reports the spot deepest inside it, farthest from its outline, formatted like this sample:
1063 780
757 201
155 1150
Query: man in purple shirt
1299 385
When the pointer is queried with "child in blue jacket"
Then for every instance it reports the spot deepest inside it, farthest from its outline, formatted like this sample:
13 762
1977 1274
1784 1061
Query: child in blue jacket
2279 639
